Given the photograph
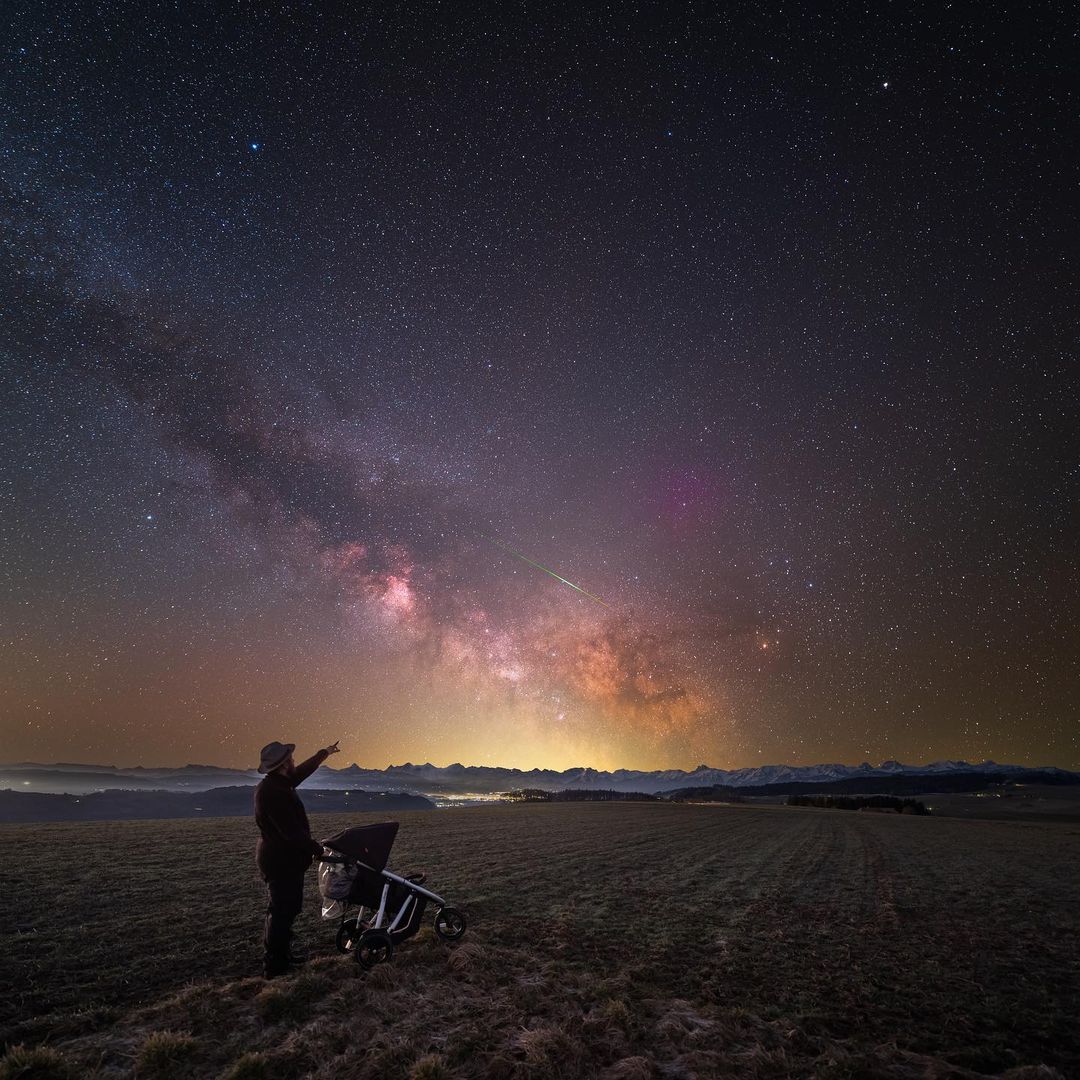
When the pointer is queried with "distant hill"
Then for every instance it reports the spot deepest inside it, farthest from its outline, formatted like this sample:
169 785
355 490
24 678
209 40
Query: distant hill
458 779
121 805
898 784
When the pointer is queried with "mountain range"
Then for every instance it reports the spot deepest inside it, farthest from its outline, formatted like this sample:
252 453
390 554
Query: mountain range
458 779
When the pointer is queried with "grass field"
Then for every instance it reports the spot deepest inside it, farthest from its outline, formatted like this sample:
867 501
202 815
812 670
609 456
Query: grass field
618 940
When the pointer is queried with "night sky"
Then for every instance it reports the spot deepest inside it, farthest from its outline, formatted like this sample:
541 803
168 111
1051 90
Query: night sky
760 325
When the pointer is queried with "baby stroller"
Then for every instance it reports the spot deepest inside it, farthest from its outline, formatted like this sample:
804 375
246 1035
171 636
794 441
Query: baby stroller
354 872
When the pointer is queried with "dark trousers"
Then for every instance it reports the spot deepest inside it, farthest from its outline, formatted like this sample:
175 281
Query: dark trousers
286 902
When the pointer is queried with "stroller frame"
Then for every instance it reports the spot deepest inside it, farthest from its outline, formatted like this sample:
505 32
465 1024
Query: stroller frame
402 902
416 897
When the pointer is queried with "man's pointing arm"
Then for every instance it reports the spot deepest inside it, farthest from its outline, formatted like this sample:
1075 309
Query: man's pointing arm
306 768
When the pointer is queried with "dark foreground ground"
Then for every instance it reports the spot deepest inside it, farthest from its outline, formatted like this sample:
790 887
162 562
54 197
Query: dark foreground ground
615 940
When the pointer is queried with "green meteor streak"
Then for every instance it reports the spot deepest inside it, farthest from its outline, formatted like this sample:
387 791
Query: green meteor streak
550 573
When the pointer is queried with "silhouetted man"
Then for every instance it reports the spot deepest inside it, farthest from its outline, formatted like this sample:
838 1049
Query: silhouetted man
286 848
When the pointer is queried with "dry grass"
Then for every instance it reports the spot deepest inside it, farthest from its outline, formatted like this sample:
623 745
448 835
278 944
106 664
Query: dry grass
616 940
165 1055
35 1063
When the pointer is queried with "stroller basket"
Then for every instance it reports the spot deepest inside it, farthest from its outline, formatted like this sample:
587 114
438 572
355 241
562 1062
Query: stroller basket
397 904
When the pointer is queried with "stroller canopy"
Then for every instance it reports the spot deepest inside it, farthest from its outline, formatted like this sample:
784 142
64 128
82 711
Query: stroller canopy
369 844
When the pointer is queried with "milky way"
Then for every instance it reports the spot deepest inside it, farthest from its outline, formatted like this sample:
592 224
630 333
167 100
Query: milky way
759 327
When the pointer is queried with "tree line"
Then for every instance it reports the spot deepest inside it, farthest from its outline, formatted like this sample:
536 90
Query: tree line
538 795
865 802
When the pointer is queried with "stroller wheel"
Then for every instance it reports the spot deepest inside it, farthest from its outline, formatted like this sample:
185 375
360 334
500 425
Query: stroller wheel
449 924
349 933
374 947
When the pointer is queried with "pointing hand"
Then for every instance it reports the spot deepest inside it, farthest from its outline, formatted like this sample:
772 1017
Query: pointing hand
334 748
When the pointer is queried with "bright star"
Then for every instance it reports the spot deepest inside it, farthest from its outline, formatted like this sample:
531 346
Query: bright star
255 145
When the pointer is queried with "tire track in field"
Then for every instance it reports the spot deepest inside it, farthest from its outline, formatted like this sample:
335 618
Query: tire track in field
749 898
798 885
682 865
806 916
879 904
705 861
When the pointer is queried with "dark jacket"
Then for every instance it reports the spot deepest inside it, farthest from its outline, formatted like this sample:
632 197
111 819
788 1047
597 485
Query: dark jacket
285 846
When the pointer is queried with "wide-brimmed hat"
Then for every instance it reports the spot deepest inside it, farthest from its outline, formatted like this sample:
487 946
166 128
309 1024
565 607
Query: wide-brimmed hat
273 754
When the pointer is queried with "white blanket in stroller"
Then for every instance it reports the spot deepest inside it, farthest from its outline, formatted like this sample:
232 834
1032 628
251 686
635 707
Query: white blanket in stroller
335 882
